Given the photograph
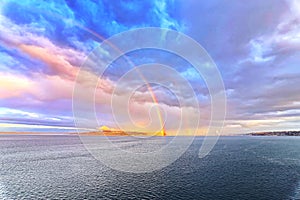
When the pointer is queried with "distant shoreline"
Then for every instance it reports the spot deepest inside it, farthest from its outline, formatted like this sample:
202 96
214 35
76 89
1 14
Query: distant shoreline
123 134
276 133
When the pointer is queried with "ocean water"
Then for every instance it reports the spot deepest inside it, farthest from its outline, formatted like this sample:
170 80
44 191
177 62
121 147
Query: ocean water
59 167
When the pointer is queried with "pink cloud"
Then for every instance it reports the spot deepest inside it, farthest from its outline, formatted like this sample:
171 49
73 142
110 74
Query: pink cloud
57 63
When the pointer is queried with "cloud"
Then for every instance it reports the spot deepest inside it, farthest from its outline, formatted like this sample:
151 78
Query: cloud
256 47
14 86
49 41
9 115
285 39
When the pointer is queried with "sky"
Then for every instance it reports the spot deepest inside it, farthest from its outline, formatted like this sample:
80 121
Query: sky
256 47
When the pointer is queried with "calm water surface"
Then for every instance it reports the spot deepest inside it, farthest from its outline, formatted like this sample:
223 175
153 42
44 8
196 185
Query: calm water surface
59 167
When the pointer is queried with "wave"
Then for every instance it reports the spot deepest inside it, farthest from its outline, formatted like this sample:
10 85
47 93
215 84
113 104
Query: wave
296 195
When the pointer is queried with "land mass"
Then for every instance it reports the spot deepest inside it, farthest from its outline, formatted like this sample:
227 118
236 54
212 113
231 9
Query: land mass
133 133
120 133
276 133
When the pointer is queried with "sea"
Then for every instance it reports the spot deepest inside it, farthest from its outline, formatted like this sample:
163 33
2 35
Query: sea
238 167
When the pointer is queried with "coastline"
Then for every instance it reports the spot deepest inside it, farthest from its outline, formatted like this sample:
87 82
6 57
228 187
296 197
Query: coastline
275 133
126 134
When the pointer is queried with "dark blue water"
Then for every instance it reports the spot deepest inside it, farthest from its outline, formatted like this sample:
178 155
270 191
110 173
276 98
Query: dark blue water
59 167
